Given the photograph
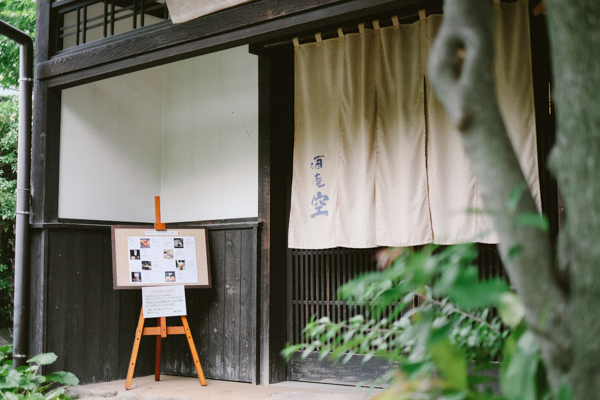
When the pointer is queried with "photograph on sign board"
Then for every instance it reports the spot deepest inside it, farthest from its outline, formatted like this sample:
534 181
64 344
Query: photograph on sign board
136 277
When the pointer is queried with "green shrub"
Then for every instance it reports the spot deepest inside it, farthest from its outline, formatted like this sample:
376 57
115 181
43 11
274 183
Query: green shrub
9 111
24 382
440 332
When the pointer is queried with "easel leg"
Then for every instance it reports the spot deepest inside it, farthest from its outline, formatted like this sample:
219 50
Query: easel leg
136 347
188 335
162 324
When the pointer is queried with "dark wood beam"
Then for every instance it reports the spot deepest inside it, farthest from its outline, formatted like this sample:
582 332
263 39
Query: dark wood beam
254 22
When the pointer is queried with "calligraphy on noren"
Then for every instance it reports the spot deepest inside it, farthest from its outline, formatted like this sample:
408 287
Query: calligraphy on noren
320 199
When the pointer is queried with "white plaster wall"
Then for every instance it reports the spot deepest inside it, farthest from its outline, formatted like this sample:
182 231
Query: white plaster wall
210 137
110 148
186 131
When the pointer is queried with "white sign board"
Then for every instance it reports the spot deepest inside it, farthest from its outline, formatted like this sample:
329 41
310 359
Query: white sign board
163 301
146 257
160 259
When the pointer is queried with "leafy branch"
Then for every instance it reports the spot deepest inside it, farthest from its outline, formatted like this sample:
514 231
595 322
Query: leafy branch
24 383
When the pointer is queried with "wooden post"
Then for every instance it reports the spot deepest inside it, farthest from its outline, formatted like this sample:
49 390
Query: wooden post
159 226
157 359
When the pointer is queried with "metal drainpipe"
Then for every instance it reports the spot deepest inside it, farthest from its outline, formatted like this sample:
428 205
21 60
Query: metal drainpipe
22 256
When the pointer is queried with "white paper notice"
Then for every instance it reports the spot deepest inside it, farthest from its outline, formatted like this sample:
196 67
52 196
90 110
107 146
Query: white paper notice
163 301
162 259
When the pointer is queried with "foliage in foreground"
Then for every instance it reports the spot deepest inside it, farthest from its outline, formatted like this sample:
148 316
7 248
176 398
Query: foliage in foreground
9 111
440 332
24 383
21 15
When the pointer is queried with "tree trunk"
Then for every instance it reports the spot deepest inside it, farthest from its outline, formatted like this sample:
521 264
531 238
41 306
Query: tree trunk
574 30
460 70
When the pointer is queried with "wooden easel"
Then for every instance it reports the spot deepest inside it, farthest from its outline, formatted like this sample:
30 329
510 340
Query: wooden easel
161 330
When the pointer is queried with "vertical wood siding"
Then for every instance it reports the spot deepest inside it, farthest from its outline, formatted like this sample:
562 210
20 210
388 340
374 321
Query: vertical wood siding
91 327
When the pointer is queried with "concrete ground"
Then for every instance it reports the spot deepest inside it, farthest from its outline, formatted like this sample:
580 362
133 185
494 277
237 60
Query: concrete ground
180 388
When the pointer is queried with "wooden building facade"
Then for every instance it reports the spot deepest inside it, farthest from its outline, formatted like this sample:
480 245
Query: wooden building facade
262 291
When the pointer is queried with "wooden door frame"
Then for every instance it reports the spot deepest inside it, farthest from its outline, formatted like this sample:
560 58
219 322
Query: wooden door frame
276 132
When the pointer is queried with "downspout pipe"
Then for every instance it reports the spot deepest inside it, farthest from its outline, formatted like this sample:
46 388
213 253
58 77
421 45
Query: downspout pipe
22 255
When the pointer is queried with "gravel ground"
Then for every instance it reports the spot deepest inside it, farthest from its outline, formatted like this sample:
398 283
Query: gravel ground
82 393
178 388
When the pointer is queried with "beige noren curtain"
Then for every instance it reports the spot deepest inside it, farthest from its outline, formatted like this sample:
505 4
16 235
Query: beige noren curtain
371 166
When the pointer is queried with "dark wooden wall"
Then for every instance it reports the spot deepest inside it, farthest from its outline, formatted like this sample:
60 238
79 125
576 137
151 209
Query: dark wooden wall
91 327
223 318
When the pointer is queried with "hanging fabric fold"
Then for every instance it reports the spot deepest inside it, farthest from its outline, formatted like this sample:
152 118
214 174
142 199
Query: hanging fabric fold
457 211
376 160
370 138
401 178
452 185
316 144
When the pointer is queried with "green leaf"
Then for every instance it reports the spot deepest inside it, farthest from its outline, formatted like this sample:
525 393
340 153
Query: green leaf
468 292
43 359
66 378
36 396
411 369
478 379
7 382
31 381
451 362
514 251
515 197
564 392
357 319
533 220
54 394
511 309
510 345
447 280
290 350
6 349
13 396
518 382
456 396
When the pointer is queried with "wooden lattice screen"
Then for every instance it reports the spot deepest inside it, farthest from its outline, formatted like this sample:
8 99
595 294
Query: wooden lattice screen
84 21
318 274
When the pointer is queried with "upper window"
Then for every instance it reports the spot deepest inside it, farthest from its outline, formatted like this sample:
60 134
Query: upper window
80 22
